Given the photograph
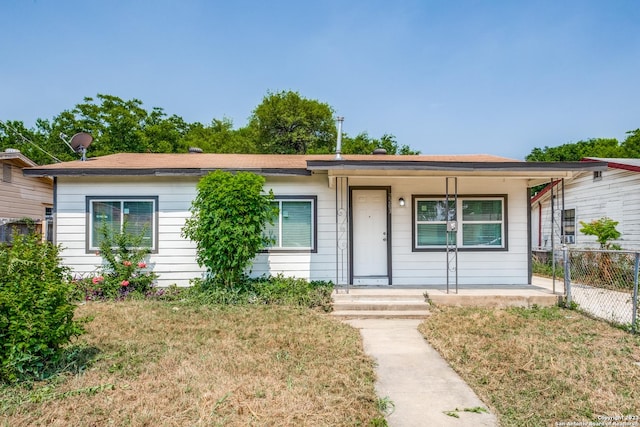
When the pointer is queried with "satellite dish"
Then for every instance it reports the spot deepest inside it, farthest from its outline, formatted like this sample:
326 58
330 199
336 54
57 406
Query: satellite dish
80 140
78 143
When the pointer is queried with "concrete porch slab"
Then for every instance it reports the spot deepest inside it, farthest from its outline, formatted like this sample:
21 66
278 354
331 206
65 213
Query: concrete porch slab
539 293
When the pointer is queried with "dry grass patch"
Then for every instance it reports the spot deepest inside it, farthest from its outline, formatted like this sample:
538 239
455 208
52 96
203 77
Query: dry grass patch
173 365
536 367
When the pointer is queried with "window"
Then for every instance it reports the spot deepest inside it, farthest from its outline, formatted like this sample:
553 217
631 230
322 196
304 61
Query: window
6 172
294 228
48 223
597 175
21 227
431 222
480 222
138 213
569 225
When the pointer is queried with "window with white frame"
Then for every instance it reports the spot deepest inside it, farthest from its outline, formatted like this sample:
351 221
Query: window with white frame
136 215
431 222
569 225
480 222
295 226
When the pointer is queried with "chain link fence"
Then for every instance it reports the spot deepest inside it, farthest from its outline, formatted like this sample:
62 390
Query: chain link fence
603 284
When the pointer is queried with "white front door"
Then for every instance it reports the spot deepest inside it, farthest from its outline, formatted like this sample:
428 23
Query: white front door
370 239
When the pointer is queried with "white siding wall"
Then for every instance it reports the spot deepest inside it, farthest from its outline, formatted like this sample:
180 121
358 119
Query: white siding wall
175 260
474 267
616 195
313 266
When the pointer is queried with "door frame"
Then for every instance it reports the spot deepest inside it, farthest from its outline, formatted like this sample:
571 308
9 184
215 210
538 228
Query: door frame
387 189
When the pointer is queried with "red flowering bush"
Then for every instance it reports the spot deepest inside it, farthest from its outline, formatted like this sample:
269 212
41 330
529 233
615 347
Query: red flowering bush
124 271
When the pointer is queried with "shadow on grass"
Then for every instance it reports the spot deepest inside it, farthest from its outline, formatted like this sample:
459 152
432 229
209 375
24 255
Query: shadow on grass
73 359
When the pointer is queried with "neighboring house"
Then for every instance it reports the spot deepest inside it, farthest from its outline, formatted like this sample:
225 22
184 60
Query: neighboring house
590 195
359 220
24 200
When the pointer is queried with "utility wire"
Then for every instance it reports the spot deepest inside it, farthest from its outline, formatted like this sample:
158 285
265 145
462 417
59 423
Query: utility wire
24 138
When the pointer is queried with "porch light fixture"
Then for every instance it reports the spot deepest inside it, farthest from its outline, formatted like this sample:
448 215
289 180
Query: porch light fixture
401 202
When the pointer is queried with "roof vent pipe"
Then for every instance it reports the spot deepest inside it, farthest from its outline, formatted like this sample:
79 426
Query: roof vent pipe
339 143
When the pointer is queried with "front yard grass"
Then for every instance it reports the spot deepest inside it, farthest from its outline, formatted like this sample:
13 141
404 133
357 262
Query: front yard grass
151 363
539 366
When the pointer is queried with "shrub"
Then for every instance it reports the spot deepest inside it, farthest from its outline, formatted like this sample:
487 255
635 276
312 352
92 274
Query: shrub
543 266
604 229
124 271
36 312
278 290
228 217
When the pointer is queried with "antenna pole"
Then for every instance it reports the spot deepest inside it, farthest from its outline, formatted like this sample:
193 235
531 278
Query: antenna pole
63 138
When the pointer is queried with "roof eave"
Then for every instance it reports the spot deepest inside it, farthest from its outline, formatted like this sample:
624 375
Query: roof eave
43 172
456 166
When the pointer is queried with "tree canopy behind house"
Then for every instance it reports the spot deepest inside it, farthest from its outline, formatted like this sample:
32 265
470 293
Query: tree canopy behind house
284 123
598 147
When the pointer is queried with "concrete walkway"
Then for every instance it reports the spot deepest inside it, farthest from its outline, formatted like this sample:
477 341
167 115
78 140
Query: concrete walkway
416 378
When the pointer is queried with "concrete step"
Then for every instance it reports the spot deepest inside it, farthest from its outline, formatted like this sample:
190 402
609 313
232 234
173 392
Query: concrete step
380 314
371 305
368 297
380 303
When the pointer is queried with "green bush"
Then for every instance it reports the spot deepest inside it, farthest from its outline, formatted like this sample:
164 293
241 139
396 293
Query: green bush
276 290
124 271
36 312
227 220
604 229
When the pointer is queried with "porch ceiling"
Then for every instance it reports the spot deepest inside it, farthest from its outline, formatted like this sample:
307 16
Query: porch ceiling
532 179
534 172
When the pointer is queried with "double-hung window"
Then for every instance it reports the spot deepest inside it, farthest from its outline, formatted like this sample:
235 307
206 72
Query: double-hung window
569 225
431 222
471 223
294 228
136 216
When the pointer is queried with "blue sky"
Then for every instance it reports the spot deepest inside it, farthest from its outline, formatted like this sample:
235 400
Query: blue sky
444 77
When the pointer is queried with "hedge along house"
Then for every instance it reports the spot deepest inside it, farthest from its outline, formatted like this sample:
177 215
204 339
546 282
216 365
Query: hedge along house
357 220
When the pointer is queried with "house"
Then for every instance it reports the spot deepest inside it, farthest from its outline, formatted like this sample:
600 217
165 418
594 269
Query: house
355 220
559 208
24 200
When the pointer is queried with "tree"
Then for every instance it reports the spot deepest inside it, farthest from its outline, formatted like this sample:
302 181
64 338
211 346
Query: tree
364 144
33 143
286 123
121 126
227 220
631 145
598 147
604 229
219 137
